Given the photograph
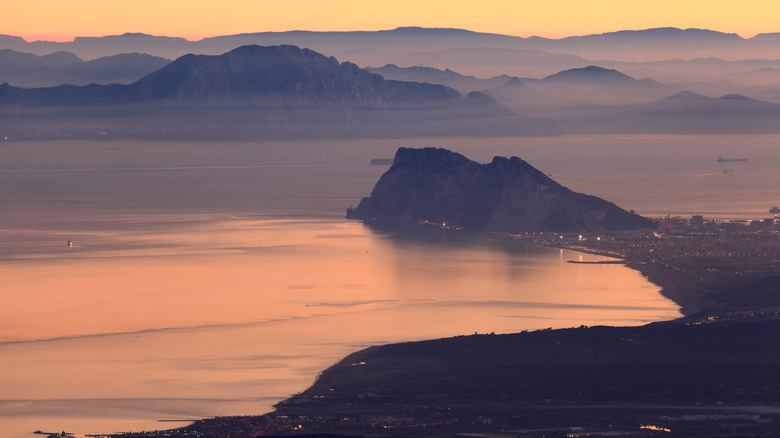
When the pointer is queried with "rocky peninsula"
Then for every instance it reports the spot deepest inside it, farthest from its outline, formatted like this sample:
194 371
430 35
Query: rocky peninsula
507 195
710 373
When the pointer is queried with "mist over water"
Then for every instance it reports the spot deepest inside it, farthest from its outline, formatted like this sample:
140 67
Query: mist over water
218 278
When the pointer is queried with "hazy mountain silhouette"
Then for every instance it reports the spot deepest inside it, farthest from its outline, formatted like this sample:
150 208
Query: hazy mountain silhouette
705 61
283 91
522 98
684 113
656 37
462 83
276 75
597 85
390 46
506 195
255 91
591 74
581 90
29 70
486 61
711 76
11 60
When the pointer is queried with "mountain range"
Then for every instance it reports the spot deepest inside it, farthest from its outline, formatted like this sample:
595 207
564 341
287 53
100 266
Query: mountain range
702 61
594 99
285 91
251 91
58 68
629 45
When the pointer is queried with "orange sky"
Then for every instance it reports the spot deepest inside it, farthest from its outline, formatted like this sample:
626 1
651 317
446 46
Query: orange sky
195 19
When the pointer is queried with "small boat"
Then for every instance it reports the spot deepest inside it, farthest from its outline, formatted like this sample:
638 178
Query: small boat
382 161
730 160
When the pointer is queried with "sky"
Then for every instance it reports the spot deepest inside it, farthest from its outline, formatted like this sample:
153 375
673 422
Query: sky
58 20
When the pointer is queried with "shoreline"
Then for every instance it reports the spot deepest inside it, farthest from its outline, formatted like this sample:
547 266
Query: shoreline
709 283
690 292
686 290
674 284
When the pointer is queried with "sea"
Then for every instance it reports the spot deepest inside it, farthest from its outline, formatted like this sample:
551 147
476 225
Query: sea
146 284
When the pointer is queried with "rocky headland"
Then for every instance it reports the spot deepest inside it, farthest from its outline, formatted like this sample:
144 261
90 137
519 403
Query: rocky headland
506 195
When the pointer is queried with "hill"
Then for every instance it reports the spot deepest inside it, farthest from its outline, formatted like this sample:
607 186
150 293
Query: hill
596 85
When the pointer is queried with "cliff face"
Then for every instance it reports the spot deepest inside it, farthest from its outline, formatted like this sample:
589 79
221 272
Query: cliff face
507 195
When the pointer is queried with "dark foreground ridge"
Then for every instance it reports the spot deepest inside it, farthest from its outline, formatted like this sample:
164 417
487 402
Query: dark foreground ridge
506 195
707 375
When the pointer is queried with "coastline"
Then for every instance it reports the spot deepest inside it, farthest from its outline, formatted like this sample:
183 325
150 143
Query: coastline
408 387
715 282
676 286
686 290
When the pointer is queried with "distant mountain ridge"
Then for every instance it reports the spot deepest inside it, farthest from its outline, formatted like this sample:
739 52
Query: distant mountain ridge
275 75
591 73
506 195
256 92
648 44
58 68
283 72
462 83
283 91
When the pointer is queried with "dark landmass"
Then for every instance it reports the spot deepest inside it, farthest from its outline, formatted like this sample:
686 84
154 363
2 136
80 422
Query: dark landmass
506 195
706 375
702 362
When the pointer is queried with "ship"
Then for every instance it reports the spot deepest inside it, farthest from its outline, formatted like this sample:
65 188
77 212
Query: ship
774 209
730 160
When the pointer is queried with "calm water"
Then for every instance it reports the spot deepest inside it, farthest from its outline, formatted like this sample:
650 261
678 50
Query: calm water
215 279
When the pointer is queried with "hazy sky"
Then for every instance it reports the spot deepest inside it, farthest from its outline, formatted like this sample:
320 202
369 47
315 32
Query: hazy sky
195 19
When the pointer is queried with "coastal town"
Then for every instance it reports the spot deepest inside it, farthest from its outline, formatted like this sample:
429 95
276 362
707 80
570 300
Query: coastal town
699 263
709 247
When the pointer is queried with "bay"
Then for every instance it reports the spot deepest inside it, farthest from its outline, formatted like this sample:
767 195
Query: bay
213 279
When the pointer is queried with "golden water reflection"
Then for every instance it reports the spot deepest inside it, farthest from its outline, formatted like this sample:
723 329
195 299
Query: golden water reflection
241 312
